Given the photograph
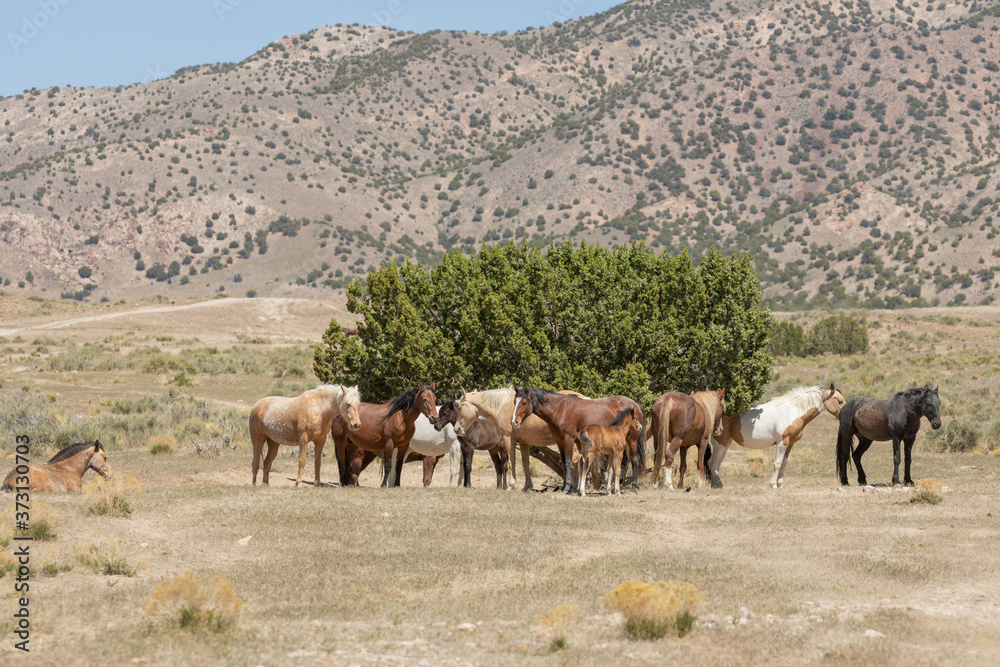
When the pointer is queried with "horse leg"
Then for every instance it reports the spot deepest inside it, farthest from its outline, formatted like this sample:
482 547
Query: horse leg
718 453
907 451
505 467
566 449
682 467
780 456
343 465
272 451
455 464
659 451
388 463
497 466
616 466
863 445
467 452
895 461
258 445
784 461
702 447
668 462
303 446
398 472
430 462
318 448
526 465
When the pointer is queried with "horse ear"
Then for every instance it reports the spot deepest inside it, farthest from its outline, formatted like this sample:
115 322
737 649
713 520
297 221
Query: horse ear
927 387
722 392
432 385
97 445
832 388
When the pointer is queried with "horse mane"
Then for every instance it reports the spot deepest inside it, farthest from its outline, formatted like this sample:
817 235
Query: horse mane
709 401
403 402
538 395
494 400
71 451
907 393
801 399
621 415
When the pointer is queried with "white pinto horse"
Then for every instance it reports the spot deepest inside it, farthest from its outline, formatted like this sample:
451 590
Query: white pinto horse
779 421
427 441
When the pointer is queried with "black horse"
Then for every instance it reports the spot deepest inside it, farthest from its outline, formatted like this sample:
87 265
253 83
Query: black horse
896 419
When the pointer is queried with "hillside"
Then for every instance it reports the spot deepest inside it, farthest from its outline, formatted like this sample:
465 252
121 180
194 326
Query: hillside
849 147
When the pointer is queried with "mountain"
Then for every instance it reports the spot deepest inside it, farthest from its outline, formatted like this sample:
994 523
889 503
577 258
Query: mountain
849 147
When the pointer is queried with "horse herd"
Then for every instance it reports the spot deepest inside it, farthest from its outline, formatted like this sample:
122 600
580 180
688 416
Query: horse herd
564 430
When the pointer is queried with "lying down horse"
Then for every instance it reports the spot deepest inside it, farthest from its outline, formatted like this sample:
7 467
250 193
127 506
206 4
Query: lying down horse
64 471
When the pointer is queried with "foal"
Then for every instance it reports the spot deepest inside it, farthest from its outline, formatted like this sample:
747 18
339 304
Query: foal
474 433
611 440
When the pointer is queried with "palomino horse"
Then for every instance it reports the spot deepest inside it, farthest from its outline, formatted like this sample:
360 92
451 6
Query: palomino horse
681 421
780 420
427 445
475 432
896 419
64 471
533 434
567 415
386 429
298 421
610 440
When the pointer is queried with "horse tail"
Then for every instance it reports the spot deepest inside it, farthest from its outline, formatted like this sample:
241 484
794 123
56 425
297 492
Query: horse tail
708 455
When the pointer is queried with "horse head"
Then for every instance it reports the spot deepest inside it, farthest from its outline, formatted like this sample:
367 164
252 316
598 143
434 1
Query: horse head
349 406
833 400
719 411
523 405
426 401
447 414
99 461
930 406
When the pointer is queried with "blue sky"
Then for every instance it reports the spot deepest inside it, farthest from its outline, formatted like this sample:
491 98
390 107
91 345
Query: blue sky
46 43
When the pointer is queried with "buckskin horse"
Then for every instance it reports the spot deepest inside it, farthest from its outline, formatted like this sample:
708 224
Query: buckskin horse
306 418
896 419
779 421
681 421
64 471
598 439
386 429
476 433
567 415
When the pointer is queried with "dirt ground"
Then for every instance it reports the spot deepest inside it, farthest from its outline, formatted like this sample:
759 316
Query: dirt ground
812 573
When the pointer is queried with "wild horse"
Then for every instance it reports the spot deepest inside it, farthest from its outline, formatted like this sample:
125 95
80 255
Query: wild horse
64 471
427 446
306 418
611 440
780 420
681 421
896 419
386 429
475 432
567 415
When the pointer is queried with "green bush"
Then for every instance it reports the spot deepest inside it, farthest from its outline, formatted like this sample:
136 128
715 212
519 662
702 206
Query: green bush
837 334
787 340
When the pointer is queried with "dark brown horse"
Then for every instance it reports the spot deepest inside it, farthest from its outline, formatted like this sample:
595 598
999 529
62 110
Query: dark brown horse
896 419
567 415
386 429
681 421
476 433
63 472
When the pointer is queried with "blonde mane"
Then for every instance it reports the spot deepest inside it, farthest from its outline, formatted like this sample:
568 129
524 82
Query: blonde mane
351 394
801 399
493 401
709 400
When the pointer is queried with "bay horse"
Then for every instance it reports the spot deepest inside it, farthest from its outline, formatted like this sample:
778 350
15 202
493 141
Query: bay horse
681 421
532 434
896 418
386 429
306 418
476 433
567 415
611 440
64 471
779 421
427 446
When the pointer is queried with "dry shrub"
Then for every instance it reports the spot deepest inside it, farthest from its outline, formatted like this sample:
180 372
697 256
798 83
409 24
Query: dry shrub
42 524
161 443
114 497
195 604
651 610
931 485
556 623
108 558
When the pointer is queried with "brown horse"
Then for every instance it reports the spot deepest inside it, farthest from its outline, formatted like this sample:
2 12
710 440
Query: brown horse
277 420
597 439
567 415
532 434
681 421
386 429
63 472
475 432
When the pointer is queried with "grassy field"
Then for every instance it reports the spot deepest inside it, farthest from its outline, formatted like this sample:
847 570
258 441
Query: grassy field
812 573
